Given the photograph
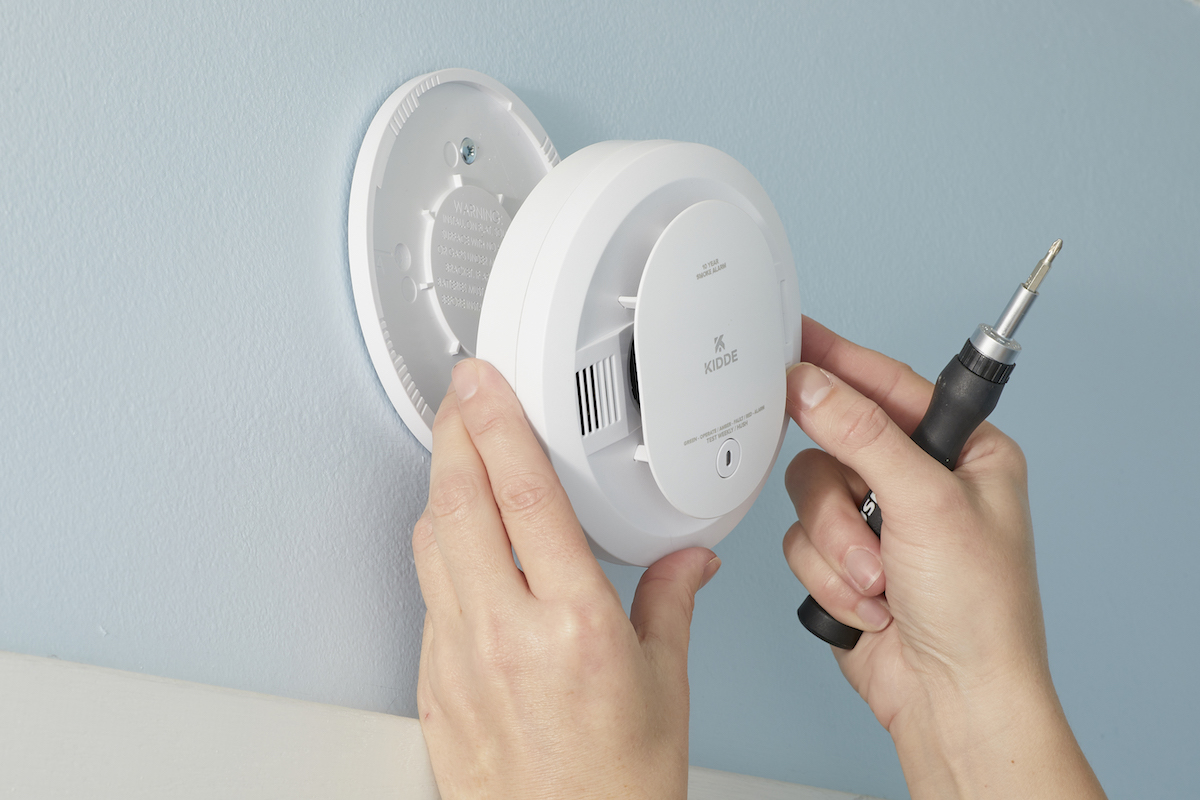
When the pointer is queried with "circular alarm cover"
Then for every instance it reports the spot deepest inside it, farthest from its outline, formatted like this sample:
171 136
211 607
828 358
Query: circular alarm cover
707 332
445 164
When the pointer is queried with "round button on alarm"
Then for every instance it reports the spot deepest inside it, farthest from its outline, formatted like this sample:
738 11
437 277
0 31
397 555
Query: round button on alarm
728 457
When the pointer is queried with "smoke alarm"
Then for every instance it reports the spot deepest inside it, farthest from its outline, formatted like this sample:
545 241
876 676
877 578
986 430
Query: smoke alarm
640 298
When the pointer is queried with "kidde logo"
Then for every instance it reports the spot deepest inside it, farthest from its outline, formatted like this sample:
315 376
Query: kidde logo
728 357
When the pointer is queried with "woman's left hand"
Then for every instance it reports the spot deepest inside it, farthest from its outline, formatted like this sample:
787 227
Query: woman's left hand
533 682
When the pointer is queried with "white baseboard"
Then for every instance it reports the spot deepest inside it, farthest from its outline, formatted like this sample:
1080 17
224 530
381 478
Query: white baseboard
72 730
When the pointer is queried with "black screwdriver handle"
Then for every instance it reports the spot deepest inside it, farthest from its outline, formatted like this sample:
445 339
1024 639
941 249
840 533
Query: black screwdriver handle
966 391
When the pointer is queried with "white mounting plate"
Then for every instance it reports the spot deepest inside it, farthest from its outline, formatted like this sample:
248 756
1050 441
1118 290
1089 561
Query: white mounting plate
424 226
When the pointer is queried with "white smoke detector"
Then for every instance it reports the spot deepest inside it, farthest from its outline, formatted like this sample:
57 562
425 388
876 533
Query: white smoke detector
641 299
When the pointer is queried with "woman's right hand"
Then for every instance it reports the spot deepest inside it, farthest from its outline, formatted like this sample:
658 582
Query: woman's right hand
953 662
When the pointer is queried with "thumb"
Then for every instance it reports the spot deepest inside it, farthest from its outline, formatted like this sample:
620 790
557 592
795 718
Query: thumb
661 612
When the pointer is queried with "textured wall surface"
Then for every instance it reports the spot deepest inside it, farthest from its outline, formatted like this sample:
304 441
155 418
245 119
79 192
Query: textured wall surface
202 478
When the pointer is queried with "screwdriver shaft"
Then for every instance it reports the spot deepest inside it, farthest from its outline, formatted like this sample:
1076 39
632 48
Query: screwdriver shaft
1010 319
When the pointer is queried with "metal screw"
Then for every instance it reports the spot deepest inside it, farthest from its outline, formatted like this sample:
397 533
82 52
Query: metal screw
468 151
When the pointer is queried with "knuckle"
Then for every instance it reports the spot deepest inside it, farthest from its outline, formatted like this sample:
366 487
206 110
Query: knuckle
587 636
488 421
833 527
832 586
584 633
792 541
422 534
525 494
832 522
491 415
497 649
455 496
800 554
686 603
902 374
671 594
1012 458
862 426
946 500
835 595
578 622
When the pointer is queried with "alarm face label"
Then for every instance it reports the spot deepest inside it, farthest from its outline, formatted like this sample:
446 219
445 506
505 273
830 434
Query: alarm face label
723 430
712 267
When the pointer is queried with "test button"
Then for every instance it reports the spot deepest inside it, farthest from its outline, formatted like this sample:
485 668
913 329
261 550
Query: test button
729 455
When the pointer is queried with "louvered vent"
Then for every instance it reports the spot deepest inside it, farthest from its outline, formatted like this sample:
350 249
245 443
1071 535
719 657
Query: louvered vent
596 388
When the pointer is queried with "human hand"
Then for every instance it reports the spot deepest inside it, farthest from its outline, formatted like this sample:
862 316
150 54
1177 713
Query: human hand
953 663
533 683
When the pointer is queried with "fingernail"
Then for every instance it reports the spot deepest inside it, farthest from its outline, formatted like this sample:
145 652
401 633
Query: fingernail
813 385
465 378
710 569
874 614
863 567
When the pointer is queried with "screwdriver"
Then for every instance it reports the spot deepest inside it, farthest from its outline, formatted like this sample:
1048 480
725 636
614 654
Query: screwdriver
965 393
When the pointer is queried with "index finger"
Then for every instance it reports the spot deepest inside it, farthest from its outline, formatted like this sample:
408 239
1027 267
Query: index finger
466 526
535 509
892 385
859 433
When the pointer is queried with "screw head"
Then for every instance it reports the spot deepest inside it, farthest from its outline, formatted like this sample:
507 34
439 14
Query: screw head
468 151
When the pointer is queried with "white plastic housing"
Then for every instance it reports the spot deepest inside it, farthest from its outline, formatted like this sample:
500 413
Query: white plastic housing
607 243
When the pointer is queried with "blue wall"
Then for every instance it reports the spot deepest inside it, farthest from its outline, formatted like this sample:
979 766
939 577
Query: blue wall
202 478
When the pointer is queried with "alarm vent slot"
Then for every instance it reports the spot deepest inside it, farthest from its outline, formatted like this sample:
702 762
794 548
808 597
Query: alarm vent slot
596 391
